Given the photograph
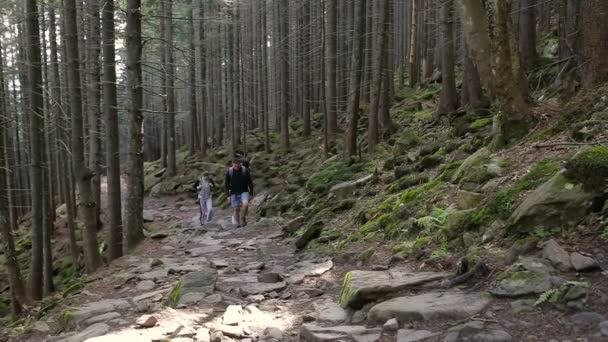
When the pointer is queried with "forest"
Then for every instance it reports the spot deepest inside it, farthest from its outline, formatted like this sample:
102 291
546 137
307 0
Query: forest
96 93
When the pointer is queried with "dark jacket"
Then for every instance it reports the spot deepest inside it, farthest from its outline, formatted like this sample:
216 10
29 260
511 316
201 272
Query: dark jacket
239 182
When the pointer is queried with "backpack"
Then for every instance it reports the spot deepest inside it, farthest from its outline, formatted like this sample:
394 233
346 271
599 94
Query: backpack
231 170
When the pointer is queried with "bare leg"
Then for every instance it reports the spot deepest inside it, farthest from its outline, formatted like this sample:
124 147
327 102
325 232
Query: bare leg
237 216
245 209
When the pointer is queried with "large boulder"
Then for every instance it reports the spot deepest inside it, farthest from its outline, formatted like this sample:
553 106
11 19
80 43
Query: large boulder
452 305
478 168
557 203
346 189
361 287
525 278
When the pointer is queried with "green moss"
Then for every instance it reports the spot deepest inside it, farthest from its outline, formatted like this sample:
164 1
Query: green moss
413 194
526 276
73 288
407 182
175 295
440 252
347 294
422 242
481 123
404 248
428 162
66 319
423 115
589 167
367 255
4 306
428 92
330 175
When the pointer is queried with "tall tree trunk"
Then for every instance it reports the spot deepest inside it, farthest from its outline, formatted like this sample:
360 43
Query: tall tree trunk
17 291
527 33
135 168
93 99
356 73
82 174
331 63
377 72
36 117
284 70
194 138
472 94
413 56
203 80
448 102
593 42
112 133
170 87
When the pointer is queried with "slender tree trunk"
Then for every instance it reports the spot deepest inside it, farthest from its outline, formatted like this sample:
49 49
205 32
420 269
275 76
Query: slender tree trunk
527 33
36 115
413 56
82 174
593 42
203 79
194 138
448 102
17 291
284 69
377 72
112 133
135 166
356 73
331 62
170 70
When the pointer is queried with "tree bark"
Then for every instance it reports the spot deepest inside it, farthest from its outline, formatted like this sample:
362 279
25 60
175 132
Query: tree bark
527 33
284 70
593 42
170 87
331 63
448 101
112 133
194 137
135 167
356 73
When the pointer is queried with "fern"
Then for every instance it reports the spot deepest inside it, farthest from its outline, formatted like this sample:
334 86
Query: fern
549 296
435 220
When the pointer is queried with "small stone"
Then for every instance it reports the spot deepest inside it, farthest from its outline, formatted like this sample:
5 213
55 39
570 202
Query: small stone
213 299
583 263
308 318
557 255
391 325
273 295
219 263
359 317
576 305
604 328
522 305
269 277
41 327
216 336
493 336
380 268
146 285
273 333
256 298
285 295
576 291
587 317
143 306
311 292
146 321
452 337
202 335
232 316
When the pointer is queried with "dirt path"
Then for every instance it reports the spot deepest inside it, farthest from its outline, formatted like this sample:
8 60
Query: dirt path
220 283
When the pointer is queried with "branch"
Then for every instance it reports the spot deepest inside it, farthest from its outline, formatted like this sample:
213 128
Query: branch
566 144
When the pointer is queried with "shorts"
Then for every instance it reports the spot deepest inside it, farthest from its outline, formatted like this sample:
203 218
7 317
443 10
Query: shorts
237 200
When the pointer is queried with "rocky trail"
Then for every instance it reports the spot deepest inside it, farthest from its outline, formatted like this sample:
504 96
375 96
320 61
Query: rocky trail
219 283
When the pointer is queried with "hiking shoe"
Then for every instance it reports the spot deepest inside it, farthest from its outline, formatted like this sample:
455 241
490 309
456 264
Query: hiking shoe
244 222
239 226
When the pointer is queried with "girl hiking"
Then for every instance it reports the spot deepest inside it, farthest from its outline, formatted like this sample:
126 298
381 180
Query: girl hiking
205 194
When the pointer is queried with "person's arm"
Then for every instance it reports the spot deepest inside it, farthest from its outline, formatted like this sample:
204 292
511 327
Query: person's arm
196 185
212 182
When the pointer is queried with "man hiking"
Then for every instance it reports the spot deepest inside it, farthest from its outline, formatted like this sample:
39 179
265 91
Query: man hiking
239 188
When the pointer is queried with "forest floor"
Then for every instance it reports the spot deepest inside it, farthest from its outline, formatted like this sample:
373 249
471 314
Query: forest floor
261 288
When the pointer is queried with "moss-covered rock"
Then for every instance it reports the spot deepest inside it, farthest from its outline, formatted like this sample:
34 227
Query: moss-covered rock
408 139
517 282
428 162
468 200
402 170
408 182
473 166
456 222
332 174
589 167
559 202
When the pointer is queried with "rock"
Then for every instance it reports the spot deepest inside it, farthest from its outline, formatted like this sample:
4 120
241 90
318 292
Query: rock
197 285
588 317
269 277
213 299
311 292
95 330
557 255
256 298
312 231
495 335
380 268
456 221
148 216
522 305
307 268
519 248
346 189
359 317
202 335
329 312
232 316
576 290
473 168
516 283
409 335
583 263
261 288
146 321
557 203
228 330
467 199
315 333
219 263
149 295
273 333
468 328
146 285
159 236
361 287
42 327
451 305
604 328
216 336
103 318
99 308
293 225
391 325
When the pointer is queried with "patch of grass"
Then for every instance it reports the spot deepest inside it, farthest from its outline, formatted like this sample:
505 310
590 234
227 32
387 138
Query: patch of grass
332 174
175 295
440 252
589 167
414 194
480 123
66 319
